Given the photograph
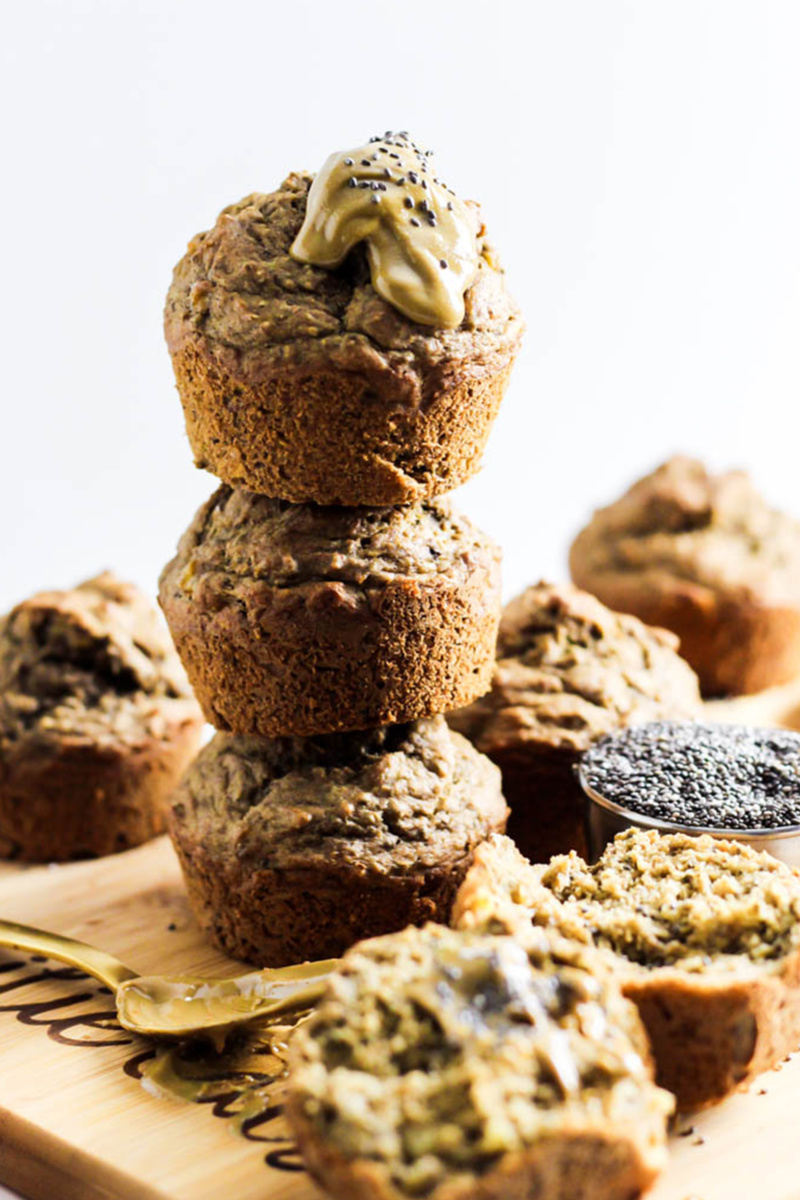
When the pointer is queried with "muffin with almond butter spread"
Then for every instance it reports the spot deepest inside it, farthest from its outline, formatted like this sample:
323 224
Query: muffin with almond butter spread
346 339
568 672
300 619
465 1066
97 722
705 556
295 848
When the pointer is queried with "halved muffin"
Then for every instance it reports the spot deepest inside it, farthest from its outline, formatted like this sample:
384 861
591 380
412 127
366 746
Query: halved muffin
462 1066
702 934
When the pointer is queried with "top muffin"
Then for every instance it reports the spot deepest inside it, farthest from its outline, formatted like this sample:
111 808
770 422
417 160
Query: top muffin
304 383
707 557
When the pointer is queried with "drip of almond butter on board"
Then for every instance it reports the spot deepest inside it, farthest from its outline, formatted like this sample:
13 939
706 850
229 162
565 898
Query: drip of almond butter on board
421 240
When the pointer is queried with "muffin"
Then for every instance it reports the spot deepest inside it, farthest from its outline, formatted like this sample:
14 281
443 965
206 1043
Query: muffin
298 619
97 722
459 1066
295 848
303 381
568 672
705 556
702 934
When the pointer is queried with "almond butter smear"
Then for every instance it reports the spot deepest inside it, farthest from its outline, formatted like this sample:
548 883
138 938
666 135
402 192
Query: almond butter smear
421 240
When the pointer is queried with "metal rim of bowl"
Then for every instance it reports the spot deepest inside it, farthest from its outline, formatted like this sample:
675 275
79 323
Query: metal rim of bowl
637 818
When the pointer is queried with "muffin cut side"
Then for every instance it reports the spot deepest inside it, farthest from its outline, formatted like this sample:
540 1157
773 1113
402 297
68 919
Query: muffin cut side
446 1065
702 933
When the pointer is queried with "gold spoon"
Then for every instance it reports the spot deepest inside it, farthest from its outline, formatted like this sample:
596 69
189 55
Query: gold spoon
180 1006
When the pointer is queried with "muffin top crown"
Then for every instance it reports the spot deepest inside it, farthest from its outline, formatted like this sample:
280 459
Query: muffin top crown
93 660
245 536
392 798
569 670
421 240
683 522
240 292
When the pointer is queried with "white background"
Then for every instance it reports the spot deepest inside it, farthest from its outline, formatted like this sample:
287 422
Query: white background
639 169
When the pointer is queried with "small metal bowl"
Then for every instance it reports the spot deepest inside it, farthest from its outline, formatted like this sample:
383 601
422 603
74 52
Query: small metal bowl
604 820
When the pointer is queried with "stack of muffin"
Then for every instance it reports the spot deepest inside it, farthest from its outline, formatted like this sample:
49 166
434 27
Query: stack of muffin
341 347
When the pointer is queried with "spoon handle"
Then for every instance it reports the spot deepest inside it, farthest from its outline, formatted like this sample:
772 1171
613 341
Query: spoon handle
102 966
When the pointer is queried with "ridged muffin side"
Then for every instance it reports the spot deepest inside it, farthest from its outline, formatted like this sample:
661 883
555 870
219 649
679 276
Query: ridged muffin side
303 383
298 619
295 848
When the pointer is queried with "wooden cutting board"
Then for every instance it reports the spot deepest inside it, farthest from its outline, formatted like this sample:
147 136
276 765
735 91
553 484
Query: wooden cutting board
76 1122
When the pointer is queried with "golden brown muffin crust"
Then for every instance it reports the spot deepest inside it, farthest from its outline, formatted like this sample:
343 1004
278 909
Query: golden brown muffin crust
295 848
705 556
302 620
239 289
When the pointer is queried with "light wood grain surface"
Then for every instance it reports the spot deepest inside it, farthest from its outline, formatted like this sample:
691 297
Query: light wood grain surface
76 1124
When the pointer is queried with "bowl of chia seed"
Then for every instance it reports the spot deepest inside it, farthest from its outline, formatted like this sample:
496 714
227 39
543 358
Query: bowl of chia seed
731 781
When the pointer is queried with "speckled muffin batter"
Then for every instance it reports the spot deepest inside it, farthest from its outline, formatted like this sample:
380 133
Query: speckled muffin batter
96 722
703 935
298 619
294 848
302 382
705 556
455 1065
568 672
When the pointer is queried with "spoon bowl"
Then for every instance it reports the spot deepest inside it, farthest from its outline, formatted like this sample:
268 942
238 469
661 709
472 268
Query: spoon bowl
177 1006
181 1006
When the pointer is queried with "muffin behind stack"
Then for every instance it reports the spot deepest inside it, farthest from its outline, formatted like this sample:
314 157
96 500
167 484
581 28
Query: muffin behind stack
706 556
343 341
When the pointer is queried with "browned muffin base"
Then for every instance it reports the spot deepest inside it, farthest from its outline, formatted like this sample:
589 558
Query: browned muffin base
315 662
548 807
332 438
75 800
274 918
584 1164
735 646
708 1041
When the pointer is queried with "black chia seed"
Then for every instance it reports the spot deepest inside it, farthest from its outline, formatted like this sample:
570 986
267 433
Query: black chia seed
700 776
